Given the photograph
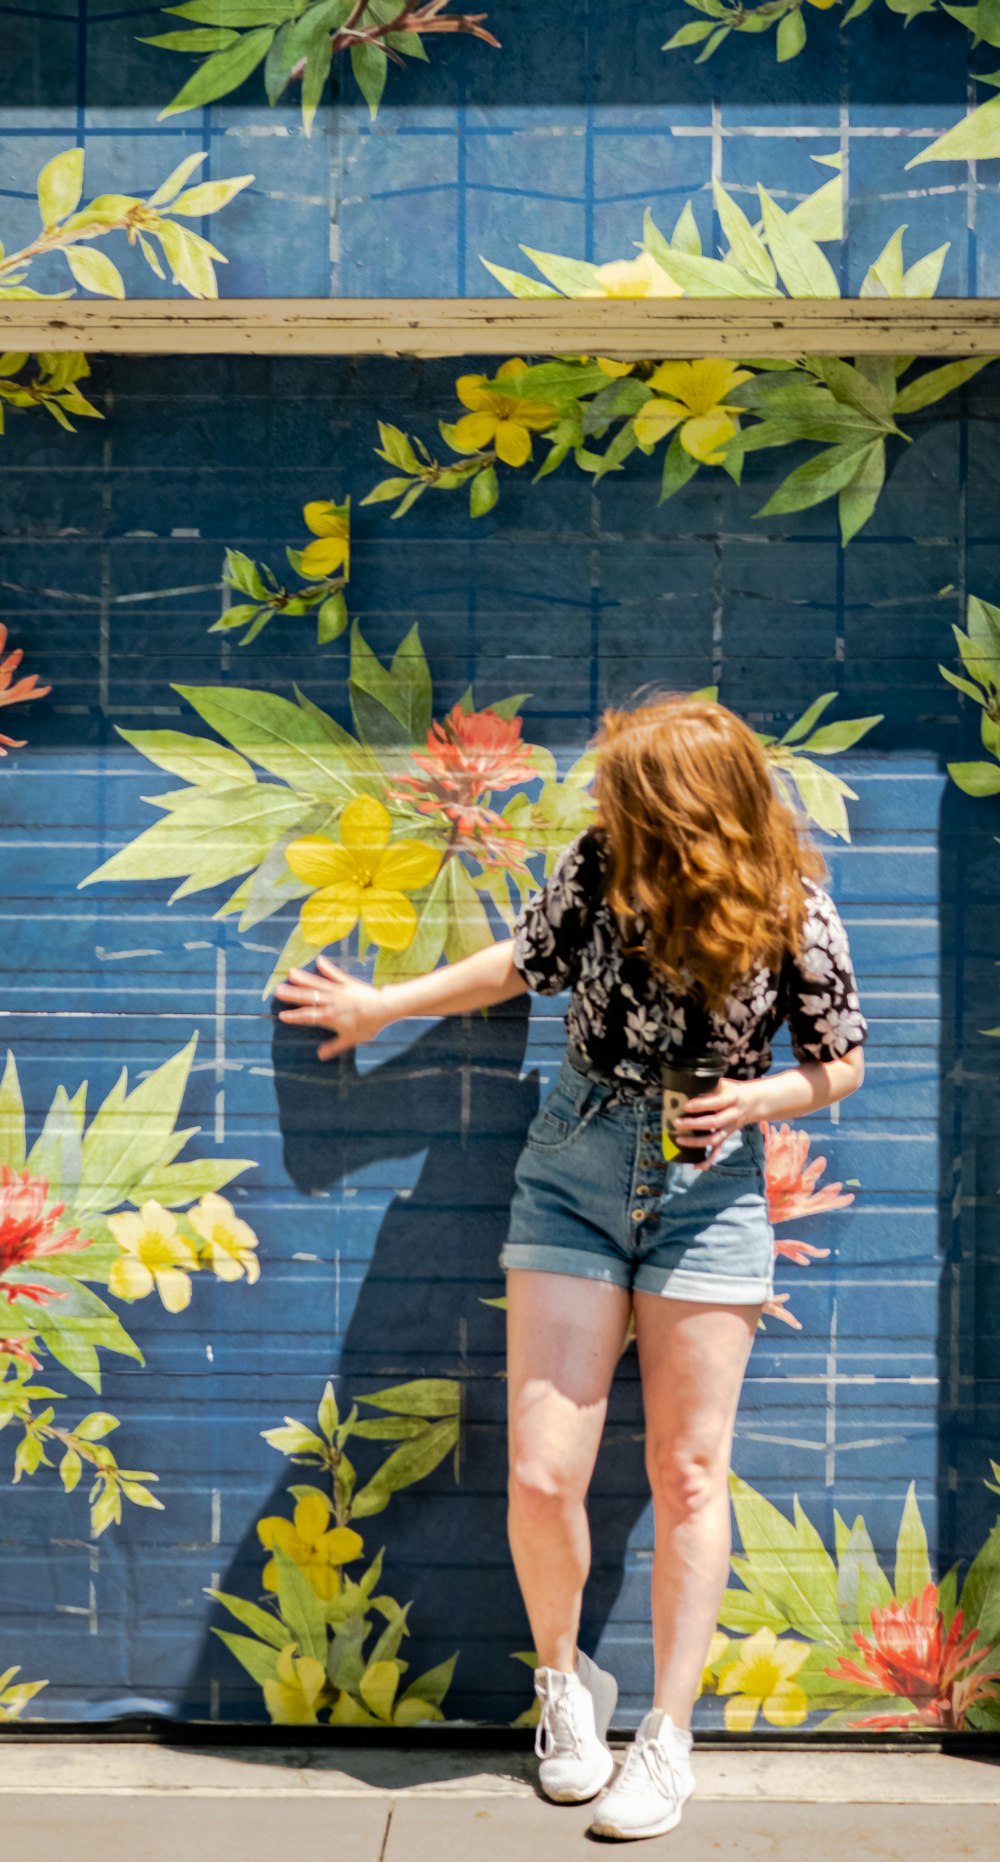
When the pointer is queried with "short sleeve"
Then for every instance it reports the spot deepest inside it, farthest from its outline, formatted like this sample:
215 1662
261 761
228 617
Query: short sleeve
551 931
822 1003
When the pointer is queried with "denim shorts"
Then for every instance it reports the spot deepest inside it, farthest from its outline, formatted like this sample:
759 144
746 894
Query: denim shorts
596 1198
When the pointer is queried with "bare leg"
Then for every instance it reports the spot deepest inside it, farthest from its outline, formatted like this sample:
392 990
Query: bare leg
692 1359
564 1338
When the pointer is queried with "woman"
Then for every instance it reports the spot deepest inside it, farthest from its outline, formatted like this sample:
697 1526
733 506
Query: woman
687 920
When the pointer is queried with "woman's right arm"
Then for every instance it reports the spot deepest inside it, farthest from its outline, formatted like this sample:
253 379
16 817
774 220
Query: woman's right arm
355 1011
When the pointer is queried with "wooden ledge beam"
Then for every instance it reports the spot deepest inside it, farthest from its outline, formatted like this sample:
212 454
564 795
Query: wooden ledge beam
624 328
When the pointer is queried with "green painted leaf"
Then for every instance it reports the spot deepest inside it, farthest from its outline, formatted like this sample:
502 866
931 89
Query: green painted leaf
803 268
746 245
129 1133
810 484
195 39
236 12
318 61
408 1464
12 1139
258 1658
789 1563
913 1570
685 236
483 492
426 1396
962 685
194 759
678 468
176 1185
60 185
394 704
518 283
805 723
823 795
468 925
286 739
94 271
331 619
821 215
848 384
207 839
976 778
856 1555
934 384
432 1686
263 1623
747 1611
221 73
691 34
57 1154
701 277
77 1326
571 277
300 1607
859 497
791 36
975 138
832 738
370 64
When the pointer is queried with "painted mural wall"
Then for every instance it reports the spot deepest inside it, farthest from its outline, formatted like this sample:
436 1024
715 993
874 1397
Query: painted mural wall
251 1365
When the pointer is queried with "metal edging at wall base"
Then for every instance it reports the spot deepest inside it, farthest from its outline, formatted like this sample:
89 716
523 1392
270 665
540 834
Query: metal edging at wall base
139 1730
629 329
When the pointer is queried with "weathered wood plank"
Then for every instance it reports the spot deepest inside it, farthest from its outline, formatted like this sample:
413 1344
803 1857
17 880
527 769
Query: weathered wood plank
489 326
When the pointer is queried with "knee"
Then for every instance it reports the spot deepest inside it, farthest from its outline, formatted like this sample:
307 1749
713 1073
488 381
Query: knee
542 1483
683 1479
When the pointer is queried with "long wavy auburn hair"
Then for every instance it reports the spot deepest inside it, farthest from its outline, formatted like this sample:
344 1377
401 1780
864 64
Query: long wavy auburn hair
700 844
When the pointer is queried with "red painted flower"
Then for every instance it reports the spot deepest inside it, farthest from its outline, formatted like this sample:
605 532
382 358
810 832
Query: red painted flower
27 1233
791 1182
16 692
470 754
938 1673
20 1348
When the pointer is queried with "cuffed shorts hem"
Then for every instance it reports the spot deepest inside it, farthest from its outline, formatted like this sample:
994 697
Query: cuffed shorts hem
679 1283
577 1262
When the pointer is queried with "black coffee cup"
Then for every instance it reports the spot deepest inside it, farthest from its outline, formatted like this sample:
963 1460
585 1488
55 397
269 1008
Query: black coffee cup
686 1078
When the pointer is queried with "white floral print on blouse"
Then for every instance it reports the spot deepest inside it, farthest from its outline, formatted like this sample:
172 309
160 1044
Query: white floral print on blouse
624 1018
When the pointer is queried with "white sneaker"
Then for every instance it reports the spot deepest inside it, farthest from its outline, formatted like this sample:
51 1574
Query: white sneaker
654 1783
571 1739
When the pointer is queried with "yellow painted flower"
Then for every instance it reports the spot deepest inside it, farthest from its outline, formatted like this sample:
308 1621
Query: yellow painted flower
230 1244
696 394
718 1646
640 277
503 421
153 1254
363 877
331 525
823 5
318 1548
613 369
293 1697
760 1681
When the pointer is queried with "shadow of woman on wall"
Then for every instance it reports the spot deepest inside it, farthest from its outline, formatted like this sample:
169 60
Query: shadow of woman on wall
456 1094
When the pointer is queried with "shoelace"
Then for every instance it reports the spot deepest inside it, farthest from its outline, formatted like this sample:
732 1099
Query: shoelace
557 1728
658 1766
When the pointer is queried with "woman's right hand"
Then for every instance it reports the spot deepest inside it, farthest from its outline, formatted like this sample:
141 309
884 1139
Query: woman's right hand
328 998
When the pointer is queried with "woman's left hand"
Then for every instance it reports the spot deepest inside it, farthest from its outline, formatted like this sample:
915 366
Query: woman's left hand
711 1117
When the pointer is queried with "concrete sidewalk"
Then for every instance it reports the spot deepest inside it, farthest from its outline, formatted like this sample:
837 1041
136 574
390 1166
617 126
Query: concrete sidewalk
146 1803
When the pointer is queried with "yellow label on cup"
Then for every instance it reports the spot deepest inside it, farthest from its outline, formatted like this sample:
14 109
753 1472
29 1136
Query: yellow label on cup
673 1105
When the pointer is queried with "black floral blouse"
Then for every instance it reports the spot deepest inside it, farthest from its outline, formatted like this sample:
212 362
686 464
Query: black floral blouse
624 1018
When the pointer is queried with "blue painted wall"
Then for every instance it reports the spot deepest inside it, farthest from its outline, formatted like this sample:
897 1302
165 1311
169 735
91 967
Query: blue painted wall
379 1197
